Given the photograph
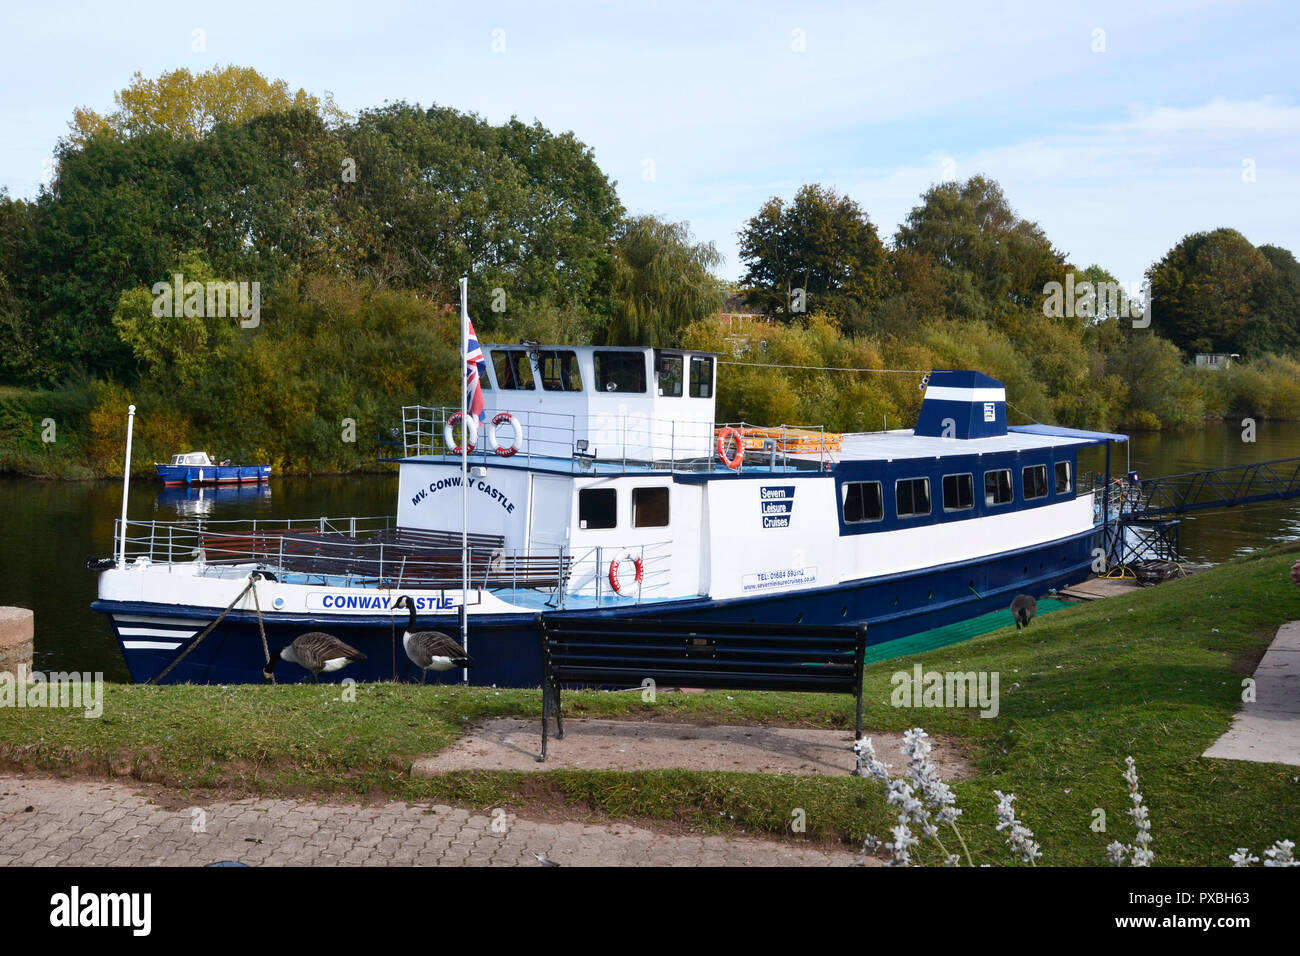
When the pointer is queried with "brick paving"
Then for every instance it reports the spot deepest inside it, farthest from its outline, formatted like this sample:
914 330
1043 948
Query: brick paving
111 824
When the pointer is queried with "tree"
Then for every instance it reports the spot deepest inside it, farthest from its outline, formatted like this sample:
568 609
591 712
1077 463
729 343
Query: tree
1207 291
819 252
661 282
995 263
186 106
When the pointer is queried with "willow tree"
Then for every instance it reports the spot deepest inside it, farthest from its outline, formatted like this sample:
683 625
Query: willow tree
661 282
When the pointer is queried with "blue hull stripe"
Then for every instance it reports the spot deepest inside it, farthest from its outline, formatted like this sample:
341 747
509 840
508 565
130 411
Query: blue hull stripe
505 646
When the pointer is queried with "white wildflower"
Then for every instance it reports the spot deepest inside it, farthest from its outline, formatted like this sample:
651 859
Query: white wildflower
1019 837
1243 857
1280 854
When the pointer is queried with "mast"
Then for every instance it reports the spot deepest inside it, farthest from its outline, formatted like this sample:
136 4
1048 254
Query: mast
126 485
464 470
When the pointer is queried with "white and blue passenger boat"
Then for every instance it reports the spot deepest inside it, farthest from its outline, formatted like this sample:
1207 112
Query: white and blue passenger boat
602 487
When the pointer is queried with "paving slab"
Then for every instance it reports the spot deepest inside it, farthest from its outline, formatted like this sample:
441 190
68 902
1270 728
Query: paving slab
508 743
1267 730
50 822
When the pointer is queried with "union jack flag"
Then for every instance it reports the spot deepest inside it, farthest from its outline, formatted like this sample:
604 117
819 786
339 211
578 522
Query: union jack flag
475 369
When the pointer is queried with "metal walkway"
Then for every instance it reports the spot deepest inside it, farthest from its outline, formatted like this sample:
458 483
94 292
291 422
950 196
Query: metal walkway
1215 488
1145 512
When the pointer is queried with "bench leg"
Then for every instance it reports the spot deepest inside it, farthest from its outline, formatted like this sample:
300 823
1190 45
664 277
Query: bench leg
546 707
559 714
857 732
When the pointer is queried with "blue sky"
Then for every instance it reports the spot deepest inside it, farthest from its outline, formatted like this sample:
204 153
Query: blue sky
1188 119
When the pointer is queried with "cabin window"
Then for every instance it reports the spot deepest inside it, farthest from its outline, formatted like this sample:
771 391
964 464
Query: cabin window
559 371
650 507
997 487
701 376
912 497
862 502
1063 478
668 368
958 492
1034 480
597 508
512 368
620 371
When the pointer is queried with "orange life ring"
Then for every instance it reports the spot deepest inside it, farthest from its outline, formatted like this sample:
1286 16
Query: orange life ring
613 573
734 462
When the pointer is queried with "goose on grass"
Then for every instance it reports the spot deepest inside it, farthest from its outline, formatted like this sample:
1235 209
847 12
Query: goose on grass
1023 609
317 651
430 650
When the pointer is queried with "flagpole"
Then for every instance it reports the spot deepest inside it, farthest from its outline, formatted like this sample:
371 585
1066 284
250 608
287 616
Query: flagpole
464 470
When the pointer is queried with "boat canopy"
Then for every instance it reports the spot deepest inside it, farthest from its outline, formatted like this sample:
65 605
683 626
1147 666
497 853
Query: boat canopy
1056 431
193 458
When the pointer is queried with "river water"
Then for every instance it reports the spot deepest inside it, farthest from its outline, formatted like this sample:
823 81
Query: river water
48 529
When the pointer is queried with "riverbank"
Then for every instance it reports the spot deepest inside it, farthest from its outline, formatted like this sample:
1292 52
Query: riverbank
1156 675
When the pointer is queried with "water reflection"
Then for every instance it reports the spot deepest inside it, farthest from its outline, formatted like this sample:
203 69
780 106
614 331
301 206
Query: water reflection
249 499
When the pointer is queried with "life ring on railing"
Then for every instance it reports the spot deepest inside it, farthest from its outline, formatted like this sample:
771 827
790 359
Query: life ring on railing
516 426
449 437
624 588
734 462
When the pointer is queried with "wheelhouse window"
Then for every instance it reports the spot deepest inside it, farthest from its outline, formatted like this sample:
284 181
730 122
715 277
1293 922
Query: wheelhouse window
1063 483
862 502
597 508
650 507
958 492
1034 480
559 371
620 371
997 487
701 376
668 371
912 497
513 370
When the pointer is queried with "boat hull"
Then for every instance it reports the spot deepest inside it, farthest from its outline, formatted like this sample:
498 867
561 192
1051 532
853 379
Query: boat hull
506 648
212 474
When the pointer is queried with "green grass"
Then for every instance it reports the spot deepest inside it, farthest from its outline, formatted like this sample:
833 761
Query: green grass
1155 674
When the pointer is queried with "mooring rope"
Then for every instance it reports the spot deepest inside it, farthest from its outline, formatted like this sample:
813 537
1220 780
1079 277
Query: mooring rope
257 605
206 631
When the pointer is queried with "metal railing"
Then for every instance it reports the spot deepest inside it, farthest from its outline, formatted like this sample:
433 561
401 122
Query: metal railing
617 442
589 574
371 552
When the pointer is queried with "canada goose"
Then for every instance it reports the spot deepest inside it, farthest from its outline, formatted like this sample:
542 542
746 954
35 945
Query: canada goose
1023 609
430 650
317 651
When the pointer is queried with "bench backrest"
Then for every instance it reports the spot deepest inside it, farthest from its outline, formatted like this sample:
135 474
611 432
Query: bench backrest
722 655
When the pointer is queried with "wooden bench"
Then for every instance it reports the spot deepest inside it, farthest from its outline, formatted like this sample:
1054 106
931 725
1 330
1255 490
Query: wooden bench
628 651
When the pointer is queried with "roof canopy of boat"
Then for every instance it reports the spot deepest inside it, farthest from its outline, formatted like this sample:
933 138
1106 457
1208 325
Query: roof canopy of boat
192 458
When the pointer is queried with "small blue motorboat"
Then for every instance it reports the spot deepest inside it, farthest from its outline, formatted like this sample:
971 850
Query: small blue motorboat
196 468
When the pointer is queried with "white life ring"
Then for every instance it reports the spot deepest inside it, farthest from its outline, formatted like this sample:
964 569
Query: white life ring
516 426
449 437
627 589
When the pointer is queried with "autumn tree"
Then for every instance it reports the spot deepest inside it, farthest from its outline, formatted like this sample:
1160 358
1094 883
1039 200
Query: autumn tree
187 106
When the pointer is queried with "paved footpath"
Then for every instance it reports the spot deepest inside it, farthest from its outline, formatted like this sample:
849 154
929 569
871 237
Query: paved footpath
111 824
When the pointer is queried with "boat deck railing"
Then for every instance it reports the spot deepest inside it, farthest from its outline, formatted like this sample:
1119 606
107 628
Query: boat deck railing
374 553
611 443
